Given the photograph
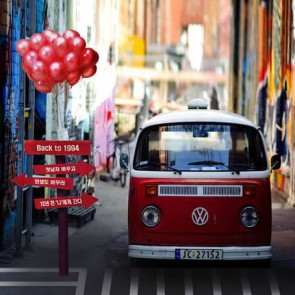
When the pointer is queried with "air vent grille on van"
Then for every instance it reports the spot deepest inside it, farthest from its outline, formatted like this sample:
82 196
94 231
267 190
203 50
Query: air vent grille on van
201 190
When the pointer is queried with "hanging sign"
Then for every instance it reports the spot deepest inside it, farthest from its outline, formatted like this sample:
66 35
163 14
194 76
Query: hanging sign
63 183
57 147
64 202
81 168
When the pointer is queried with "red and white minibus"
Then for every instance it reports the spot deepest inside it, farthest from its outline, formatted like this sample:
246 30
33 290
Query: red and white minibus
199 187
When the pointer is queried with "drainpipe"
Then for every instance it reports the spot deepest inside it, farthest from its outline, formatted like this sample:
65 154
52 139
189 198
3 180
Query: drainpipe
20 139
31 135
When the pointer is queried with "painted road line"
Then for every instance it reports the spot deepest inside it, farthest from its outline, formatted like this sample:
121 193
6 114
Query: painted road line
134 282
36 269
107 281
216 282
79 284
81 281
160 282
37 284
273 283
246 289
188 283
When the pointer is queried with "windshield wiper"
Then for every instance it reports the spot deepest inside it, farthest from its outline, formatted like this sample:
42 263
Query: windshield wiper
167 166
213 163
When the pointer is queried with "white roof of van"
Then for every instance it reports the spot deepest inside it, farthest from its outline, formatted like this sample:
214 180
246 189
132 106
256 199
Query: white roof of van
198 115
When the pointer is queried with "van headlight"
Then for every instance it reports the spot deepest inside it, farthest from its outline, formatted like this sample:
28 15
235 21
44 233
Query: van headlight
249 217
150 216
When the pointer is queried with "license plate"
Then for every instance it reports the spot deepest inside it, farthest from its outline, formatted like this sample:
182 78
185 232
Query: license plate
198 254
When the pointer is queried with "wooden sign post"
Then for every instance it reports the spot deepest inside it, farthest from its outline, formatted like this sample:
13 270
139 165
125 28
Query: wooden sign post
59 148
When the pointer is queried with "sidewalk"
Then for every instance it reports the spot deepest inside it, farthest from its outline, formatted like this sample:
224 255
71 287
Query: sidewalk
44 250
279 199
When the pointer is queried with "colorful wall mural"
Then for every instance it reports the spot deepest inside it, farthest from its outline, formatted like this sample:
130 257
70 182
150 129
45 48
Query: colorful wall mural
267 58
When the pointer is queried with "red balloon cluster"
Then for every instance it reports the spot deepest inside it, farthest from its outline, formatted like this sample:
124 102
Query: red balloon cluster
50 58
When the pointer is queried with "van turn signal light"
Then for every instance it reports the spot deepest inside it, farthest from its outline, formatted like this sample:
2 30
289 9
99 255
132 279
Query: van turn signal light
151 190
249 191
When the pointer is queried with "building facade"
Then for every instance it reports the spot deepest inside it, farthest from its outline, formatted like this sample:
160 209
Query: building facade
26 113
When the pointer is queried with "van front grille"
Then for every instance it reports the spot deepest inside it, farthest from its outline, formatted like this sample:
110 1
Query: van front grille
201 190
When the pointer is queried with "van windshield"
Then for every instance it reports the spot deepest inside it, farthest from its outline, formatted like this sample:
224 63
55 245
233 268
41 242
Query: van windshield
200 147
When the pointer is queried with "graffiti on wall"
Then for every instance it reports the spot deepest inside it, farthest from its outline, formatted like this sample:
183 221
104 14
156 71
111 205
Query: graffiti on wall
274 97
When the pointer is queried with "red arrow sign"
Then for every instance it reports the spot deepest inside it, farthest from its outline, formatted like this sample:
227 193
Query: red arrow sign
53 182
57 147
64 202
81 168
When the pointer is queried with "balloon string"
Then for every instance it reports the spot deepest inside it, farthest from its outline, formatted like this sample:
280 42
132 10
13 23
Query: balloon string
56 103
57 90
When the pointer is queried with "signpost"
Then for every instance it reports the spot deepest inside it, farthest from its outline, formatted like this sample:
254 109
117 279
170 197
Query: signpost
63 202
52 182
81 168
59 148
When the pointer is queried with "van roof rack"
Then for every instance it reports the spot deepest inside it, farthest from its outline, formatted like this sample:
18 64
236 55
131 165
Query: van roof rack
197 103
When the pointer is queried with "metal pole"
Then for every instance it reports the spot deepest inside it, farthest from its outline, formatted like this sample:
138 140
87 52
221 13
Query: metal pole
20 139
31 128
63 231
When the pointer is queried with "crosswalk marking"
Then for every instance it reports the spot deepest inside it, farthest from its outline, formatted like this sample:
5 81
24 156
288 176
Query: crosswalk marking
274 286
79 284
160 282
107 281
188 283
134 282
37 284
246 289
216 283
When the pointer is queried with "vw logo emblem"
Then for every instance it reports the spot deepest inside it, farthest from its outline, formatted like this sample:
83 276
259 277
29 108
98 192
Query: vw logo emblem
200 216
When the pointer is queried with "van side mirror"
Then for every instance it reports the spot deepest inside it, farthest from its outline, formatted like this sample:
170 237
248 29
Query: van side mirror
275 162
124 161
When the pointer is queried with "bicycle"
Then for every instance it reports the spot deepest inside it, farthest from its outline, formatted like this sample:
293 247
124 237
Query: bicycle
114 168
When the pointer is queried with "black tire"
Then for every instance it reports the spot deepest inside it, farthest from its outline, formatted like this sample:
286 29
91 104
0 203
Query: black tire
123 177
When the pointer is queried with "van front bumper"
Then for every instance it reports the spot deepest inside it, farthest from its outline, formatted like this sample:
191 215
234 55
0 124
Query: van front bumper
229 253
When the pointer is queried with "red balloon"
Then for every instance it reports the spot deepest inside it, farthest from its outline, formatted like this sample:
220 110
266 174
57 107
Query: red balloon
57 71
73 75
74 81
24 67
46 54
68 34
29 58
89 57
89 72
22 46
71 61
50 35
60 46
30 75
44 86
77 44
37 41
39 71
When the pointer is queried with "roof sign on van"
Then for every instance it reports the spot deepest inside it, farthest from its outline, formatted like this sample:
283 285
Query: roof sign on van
197 103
